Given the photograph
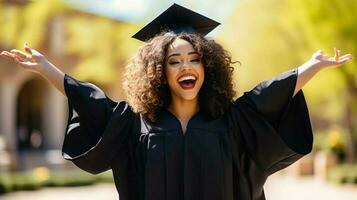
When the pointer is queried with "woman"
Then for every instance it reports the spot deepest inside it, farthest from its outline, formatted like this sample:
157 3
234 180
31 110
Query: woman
180 134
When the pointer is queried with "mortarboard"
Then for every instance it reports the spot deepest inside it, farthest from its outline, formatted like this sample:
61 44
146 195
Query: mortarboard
177 19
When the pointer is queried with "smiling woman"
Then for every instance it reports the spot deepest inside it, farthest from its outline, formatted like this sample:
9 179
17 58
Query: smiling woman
168 59
184 67
180 134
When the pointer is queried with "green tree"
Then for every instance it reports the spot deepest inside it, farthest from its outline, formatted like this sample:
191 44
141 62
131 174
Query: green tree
27 23
327 24
271 36
102 45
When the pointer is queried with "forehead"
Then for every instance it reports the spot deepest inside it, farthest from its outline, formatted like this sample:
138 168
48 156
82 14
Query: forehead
180 46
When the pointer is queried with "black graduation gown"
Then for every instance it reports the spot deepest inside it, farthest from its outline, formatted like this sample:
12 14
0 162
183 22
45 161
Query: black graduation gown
228 158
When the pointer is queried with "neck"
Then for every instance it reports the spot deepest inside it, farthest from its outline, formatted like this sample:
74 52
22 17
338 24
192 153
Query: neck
184 109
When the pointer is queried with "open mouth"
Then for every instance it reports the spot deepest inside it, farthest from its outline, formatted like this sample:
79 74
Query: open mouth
187 81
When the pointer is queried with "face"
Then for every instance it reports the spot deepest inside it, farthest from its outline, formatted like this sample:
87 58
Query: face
184 70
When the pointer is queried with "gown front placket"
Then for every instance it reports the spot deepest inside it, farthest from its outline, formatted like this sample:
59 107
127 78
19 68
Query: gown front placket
175 163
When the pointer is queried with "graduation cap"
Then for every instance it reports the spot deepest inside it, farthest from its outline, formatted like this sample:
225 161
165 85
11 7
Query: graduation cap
177 19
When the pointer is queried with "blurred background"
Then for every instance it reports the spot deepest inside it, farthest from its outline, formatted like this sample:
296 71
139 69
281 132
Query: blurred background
91 41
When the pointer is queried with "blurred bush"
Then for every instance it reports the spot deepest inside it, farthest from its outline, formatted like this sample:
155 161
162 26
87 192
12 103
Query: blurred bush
332 140
70 179
342 174
18 181
43 177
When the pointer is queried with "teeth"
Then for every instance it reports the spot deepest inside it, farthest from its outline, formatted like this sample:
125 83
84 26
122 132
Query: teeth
186 78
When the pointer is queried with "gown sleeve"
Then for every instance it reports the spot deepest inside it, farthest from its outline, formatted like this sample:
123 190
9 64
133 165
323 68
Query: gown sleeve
275 125
97 127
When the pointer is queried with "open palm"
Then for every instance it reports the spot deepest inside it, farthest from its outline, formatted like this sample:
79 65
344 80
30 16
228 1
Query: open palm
30 59
328 61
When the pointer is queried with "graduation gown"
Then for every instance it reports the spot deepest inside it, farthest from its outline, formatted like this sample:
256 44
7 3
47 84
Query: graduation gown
229 158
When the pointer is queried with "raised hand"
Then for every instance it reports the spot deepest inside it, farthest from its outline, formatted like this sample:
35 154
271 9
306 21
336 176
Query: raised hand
318 61
31 59
324 60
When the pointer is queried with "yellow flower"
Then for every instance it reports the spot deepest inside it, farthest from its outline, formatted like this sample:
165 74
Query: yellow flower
334 139
41 173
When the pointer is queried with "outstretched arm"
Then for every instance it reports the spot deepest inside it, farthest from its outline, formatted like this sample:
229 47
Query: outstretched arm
318 62
34 61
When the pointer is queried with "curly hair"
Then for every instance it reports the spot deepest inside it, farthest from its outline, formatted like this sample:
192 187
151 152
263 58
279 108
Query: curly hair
146 87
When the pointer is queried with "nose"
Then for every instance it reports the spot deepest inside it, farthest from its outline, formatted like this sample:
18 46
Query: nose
185 65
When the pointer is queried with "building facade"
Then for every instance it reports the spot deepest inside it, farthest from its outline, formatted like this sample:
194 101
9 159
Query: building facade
33 114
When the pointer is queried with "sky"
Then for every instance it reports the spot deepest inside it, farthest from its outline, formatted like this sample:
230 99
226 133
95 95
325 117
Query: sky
142 11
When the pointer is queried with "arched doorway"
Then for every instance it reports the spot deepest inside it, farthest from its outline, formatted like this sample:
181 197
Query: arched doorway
30 102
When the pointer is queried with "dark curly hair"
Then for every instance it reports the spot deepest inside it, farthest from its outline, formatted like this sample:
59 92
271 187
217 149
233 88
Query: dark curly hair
146 87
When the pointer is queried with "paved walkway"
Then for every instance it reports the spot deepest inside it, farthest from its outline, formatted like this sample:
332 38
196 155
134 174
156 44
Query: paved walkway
283 187
93 192
278 187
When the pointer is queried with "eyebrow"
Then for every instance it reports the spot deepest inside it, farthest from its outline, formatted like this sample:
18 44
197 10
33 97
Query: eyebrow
178 54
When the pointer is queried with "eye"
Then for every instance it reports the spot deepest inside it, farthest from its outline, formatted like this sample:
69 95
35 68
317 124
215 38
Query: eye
173 62
196 60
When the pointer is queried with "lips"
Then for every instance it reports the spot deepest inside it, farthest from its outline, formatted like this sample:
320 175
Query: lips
187 81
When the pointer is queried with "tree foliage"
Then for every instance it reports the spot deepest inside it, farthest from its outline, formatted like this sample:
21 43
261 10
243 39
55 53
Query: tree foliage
27 23
271 36
102 45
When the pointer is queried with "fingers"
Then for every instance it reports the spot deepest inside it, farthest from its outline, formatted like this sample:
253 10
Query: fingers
337 54
20 62
335 50
341 59
12 57
28 49
348 56
345 58
28 57
8 55
19 54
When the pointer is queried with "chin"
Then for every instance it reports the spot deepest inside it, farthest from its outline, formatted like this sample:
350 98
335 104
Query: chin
189 98
189 95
